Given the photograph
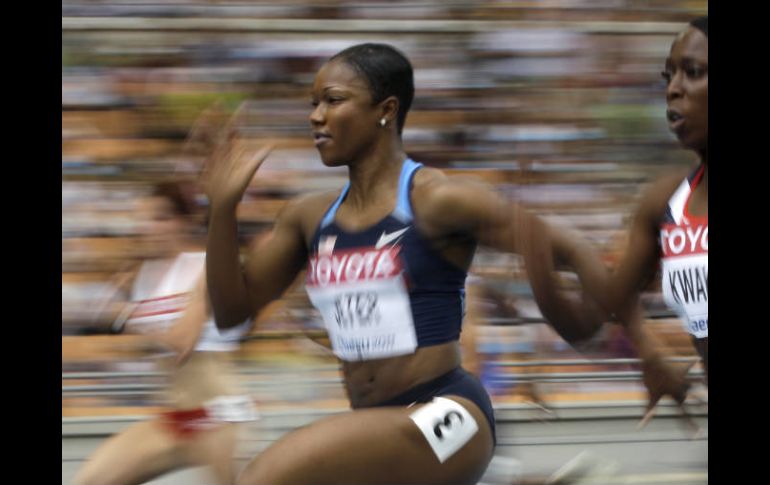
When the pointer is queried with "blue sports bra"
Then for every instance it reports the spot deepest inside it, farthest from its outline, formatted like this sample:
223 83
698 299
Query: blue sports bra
383 291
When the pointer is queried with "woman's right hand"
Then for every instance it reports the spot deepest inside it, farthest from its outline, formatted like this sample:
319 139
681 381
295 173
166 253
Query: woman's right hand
665 379
231 163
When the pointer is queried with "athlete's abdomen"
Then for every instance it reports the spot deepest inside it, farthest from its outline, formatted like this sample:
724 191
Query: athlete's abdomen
369 383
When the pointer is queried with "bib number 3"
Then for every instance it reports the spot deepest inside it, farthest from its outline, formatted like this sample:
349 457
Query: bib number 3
447 426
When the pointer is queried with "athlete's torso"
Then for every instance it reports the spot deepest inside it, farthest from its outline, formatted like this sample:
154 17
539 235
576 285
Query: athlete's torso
391 303
161 292
684 258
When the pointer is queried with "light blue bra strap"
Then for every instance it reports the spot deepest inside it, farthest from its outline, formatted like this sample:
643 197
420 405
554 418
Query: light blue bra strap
329 217
403 210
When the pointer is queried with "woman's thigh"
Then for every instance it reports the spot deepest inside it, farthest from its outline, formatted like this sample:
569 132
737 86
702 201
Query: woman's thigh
149 449
137 454
381 446
215 449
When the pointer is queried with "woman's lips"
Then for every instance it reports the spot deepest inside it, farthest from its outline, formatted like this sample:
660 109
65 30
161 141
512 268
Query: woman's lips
320 139
675 120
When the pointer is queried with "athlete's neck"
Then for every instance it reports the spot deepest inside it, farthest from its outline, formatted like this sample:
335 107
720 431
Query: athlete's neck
704 156
374 177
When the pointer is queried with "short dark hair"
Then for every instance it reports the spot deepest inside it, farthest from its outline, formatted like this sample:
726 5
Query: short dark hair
702 24
387 71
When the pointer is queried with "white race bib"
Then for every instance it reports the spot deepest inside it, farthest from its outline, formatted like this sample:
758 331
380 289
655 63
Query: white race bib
685 289
363 299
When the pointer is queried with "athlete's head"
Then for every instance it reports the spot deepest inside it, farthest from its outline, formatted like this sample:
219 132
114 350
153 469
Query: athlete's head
360 95
686 75
167 213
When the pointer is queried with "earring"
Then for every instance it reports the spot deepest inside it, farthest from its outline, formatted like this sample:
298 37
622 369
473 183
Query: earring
383 122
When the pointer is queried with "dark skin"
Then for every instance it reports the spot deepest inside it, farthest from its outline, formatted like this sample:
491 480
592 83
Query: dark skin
688 94
686 73
351 130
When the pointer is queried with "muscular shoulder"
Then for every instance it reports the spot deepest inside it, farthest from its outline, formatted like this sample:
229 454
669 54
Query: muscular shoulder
426 183
450 203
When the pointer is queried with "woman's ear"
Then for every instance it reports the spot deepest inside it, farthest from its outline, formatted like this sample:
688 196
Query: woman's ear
389 108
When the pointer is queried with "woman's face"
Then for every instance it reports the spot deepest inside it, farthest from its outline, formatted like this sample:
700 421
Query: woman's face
162 229
687 90
344 120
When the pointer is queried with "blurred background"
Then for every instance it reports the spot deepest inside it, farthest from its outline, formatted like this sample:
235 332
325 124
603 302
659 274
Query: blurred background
557 103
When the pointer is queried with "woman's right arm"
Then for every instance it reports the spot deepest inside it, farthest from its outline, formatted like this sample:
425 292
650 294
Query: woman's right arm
240 288
617 292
